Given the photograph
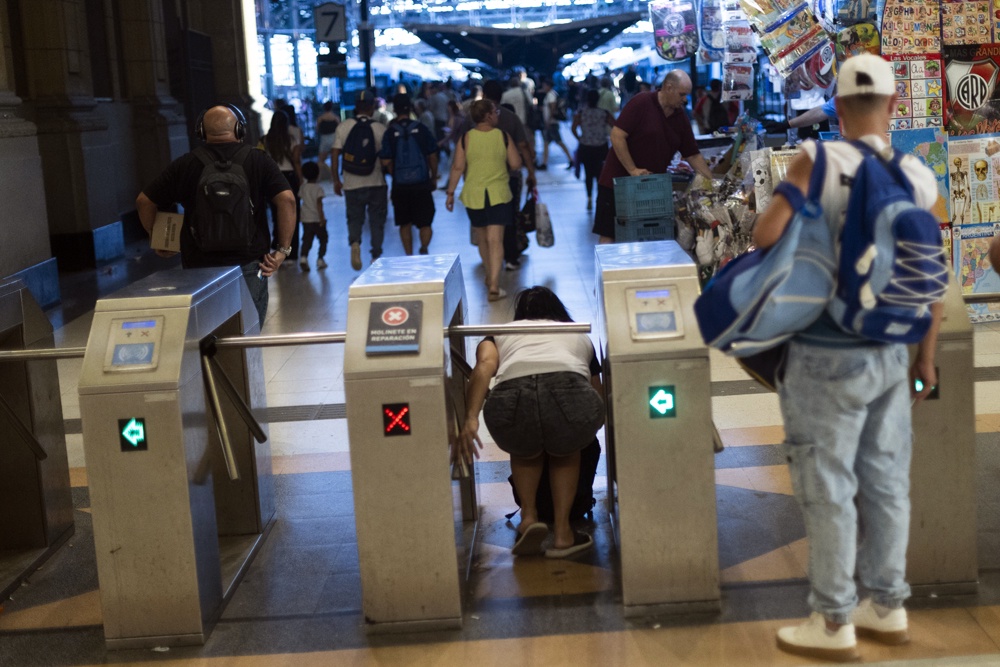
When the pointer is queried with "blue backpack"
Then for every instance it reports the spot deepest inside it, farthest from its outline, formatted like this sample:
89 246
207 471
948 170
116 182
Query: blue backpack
762 298
409 163
892 266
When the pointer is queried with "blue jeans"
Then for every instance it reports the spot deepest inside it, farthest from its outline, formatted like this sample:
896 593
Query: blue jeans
258 288
374 200
848 433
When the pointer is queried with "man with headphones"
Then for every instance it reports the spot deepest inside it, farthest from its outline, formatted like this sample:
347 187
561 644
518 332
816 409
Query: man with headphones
223 129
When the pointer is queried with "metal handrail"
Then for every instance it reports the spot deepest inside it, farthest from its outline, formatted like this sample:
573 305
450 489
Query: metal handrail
519 327
280 340
49 353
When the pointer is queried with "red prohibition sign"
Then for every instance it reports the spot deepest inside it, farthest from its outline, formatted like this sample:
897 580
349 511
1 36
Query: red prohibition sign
395 316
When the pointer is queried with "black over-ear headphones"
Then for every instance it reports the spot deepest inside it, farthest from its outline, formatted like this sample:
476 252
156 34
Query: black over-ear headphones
240 129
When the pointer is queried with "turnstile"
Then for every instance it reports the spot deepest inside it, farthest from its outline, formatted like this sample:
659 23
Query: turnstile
173 530
36 509
659 431
404 399
942 558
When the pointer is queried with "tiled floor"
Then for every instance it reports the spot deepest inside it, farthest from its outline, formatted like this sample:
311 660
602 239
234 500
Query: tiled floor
300 603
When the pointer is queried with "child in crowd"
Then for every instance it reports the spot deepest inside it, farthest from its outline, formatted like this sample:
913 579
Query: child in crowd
313 217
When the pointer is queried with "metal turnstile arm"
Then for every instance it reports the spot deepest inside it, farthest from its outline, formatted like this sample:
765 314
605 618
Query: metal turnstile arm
27 437
241 406
220 423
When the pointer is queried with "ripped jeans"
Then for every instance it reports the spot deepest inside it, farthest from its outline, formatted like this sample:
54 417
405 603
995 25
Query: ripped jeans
848 433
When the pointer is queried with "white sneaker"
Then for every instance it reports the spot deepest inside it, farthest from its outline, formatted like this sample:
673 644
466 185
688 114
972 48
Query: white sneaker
321 263
884 625
303 263
812 640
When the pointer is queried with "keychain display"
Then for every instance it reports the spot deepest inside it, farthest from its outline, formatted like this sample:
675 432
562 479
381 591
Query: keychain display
966 23
674 28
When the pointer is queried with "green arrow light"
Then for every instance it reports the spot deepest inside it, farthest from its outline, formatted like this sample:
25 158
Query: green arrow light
661 402
134 432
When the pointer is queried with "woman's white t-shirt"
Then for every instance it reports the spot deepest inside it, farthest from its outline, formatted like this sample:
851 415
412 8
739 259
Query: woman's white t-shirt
534 354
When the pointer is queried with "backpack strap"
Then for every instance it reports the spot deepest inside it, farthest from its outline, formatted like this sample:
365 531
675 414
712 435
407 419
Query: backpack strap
209 157
893 165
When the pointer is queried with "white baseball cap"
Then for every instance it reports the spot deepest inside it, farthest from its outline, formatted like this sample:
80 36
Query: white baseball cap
865 74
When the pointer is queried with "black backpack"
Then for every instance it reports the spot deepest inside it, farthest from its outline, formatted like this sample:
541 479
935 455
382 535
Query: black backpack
359 154
222 219
409 164
583 503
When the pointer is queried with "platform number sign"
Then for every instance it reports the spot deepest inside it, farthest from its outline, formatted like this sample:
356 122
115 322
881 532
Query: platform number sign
662 402
396 419
132 434
330 20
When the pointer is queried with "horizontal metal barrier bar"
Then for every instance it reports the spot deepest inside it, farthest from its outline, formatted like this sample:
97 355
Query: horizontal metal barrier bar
519 327
50 353
981 298
280 340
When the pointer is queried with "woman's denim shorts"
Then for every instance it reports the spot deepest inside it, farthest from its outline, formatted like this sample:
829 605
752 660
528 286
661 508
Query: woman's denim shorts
555 413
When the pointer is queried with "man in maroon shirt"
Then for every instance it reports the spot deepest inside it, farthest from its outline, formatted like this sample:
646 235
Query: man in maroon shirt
650 130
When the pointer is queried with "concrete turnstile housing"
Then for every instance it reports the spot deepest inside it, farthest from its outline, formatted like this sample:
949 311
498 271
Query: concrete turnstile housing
36 508
942 556
661 468
404 399
173 532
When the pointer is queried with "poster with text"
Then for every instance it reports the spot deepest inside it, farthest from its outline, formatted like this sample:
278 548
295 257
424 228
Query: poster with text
974 180
920 87
911 27
973 102
970 248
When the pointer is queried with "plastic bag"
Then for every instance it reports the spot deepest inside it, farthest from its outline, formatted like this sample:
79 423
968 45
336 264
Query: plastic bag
543 226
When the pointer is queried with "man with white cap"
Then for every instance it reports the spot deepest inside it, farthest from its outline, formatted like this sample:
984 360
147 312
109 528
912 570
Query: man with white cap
846 403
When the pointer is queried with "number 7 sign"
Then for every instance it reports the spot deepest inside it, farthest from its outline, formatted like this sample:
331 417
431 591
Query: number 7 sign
331 22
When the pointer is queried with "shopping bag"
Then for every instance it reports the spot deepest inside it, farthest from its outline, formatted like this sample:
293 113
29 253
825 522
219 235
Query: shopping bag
526 217
543 226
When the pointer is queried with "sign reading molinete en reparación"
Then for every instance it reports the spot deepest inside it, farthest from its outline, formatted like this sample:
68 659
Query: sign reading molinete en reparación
394 328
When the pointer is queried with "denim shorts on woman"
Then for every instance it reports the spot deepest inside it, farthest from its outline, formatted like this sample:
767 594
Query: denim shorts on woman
556 413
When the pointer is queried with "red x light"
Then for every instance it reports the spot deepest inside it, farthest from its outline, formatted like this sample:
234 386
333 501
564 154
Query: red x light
396 418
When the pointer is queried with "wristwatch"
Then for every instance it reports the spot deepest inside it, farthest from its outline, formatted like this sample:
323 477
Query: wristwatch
286 251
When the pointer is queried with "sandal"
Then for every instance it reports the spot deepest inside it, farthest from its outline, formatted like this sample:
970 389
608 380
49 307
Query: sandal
581 542
529 543
496 296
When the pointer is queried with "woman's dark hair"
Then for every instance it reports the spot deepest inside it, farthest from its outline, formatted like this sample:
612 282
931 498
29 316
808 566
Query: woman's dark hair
592 96
480 109
539 303
278 141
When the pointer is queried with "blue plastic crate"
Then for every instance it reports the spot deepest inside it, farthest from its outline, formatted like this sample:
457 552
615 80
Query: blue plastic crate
649 196
628 230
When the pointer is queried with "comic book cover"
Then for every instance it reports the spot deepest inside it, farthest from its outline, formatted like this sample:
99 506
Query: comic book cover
931 146
970 257
973 102
911 27
920 87
974 180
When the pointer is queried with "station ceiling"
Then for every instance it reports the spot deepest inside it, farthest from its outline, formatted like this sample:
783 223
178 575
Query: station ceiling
539 49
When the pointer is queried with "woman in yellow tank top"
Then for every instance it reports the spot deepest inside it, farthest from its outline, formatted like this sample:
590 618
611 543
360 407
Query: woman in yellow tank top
484 156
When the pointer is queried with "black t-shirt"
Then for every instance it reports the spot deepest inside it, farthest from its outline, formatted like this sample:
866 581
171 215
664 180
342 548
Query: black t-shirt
179 182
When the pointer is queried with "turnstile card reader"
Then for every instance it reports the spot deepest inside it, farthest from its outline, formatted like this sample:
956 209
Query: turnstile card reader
942 554
166 514
400 417
36 508
661 469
